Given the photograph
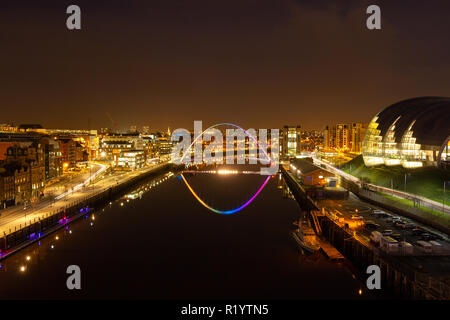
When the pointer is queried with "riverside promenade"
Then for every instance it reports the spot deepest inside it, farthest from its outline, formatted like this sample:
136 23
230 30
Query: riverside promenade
26 229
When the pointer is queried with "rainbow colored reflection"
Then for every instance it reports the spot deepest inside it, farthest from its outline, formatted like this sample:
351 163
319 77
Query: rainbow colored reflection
221 211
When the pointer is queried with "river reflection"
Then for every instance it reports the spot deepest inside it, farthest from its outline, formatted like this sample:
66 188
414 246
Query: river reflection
160 242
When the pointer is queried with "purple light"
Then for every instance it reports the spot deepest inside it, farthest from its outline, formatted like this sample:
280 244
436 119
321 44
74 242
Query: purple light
220 211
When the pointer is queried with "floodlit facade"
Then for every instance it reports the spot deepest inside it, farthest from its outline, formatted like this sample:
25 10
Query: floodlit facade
131 160
344 136
291 140
412 133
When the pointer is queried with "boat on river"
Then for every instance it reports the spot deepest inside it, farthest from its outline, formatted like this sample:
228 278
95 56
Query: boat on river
306 237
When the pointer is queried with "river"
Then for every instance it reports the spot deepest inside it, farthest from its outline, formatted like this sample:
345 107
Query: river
159 242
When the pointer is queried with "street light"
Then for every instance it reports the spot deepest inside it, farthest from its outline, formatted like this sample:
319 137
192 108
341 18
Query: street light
443 196
406 174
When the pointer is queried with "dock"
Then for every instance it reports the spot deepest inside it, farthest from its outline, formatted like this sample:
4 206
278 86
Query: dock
331 252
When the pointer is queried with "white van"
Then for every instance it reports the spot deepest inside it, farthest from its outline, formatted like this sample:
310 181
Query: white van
389 244
436 247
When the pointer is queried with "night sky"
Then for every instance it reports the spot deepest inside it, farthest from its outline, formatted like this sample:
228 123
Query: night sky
256 63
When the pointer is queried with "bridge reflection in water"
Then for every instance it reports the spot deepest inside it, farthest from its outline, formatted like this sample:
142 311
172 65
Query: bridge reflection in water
159 242
225 172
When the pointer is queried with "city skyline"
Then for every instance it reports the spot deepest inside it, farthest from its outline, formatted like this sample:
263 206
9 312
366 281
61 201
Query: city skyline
167 64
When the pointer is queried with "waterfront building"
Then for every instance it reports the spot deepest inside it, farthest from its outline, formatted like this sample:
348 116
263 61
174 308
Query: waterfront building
47 147
412 133
310 174
8 128
131 160
26 161
346 137
29 127
6 188
290 141
15 184
163 146
358 132
105 131
338 137
112 145
52 158
67 148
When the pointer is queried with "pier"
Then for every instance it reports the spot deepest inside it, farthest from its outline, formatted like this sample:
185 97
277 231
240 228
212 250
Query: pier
415 277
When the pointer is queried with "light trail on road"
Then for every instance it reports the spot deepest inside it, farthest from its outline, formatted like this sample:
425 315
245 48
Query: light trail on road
81 185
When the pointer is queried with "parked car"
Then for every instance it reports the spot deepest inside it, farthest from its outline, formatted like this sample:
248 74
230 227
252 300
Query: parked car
396 236
417 231
387 232
400 224
427 236
372 225
384 214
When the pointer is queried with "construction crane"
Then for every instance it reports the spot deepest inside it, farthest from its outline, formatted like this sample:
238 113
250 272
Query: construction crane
114 124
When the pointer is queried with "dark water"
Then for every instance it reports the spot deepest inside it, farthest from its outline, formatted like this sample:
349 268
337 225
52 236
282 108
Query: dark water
166 245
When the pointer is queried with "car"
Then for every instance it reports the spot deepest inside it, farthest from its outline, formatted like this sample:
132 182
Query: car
372 225
428 236
387 232
400 224
396 236
417 231
425 236
355 217
410 226
396 219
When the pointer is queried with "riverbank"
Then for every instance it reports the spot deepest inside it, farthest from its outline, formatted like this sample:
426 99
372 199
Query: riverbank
44 225
414 277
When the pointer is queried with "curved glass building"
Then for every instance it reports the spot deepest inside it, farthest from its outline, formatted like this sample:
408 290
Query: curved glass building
412 133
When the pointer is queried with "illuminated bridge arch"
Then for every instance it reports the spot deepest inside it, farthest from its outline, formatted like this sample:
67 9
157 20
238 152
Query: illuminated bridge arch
225 124
202 202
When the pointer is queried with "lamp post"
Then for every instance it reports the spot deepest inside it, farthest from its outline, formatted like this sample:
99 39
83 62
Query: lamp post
443 197
406 174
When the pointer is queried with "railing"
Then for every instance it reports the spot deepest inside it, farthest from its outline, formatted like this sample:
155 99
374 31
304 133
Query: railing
51 219
438 206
